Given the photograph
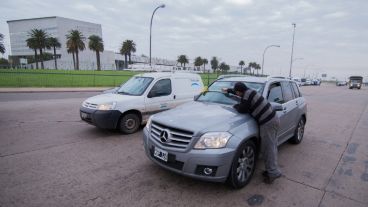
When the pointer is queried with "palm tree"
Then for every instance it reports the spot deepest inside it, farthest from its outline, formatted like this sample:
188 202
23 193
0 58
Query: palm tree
223 67
198 61
71 51
54 43
241 64
205 61
124 50
96 44
32 44
40 37
2 47
214 63
131 49
182 59
75 44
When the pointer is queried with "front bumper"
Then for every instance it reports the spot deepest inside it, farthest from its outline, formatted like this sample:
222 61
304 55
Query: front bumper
101 119
192 162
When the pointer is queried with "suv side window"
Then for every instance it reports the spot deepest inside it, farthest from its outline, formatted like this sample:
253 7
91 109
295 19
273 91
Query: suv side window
161 88
275 93
287 91
296 90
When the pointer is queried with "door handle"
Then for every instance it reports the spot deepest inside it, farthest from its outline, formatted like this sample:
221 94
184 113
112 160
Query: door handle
284 110
174 96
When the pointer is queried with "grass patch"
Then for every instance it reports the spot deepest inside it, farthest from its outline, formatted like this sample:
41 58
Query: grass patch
70 78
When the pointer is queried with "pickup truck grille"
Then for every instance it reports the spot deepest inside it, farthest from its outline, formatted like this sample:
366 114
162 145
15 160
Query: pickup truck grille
89 105
177 138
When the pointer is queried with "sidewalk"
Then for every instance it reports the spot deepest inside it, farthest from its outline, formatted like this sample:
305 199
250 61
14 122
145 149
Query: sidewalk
40 90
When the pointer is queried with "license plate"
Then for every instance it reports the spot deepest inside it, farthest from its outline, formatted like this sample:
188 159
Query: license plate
161 154
84 115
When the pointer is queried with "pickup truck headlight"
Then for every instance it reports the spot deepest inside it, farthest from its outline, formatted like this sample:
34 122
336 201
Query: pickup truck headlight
213 140
106 106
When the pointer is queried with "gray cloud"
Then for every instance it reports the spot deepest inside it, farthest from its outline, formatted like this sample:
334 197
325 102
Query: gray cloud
331 35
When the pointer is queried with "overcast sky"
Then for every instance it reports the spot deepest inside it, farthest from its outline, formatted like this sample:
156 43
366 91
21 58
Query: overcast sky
331 35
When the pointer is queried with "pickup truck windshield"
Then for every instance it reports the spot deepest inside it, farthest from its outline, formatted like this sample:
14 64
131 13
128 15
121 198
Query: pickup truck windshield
135 86
219 85
217 97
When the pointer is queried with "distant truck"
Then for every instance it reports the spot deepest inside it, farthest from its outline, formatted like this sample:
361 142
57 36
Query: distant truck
355 82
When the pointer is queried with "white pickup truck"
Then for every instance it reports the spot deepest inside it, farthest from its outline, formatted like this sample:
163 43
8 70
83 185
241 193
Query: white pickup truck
142 95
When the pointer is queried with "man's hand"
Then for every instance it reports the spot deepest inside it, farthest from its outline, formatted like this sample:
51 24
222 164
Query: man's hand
224 90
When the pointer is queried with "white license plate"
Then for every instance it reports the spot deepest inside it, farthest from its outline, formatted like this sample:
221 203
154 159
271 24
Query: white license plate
161 154
84 115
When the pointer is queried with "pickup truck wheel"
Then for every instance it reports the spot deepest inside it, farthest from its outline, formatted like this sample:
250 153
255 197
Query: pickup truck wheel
129 123
243 166
299 132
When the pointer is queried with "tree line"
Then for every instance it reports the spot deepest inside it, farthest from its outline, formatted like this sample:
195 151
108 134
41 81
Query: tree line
39 40
216 65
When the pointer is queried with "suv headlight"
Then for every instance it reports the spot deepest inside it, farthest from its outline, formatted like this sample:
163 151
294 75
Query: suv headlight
213 140
106 106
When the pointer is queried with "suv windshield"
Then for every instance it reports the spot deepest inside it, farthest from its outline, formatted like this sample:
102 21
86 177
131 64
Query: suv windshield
217 97
135 86
218 85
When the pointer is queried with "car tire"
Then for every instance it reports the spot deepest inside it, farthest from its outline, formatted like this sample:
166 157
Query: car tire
129 123
243 165
299 132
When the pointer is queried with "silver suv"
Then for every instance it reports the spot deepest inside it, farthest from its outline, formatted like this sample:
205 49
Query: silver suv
209 140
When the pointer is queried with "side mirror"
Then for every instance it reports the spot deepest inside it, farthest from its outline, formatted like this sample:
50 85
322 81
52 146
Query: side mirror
276 106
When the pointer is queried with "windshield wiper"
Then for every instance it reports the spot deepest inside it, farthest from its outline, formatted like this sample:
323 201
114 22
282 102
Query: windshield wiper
124 93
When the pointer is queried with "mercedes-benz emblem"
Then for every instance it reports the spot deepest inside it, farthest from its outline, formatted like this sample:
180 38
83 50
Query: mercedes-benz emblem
164 136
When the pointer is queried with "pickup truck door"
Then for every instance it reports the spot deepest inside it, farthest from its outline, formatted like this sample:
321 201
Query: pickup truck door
160 97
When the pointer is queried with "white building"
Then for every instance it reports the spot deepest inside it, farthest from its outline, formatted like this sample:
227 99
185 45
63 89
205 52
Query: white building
58 27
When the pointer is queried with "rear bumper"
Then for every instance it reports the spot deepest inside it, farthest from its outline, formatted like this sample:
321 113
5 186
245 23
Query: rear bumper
192 163
101 119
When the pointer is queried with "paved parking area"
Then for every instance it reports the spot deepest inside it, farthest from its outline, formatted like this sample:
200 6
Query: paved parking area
48 157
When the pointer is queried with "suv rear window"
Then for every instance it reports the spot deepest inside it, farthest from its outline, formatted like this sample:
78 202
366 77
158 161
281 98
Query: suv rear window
275 93
287 91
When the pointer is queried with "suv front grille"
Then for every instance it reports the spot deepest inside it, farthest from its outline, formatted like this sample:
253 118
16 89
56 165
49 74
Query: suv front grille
177 138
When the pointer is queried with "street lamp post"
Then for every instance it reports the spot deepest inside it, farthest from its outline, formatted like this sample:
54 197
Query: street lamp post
161 6
292 51
265 52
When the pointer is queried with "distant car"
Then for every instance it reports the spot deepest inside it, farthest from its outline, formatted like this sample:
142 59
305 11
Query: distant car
341 83
316 82
308 82
209 140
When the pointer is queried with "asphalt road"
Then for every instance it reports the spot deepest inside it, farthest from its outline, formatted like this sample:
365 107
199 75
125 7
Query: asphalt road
48 157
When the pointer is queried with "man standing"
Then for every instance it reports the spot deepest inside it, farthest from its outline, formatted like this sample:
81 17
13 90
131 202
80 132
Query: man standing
261 110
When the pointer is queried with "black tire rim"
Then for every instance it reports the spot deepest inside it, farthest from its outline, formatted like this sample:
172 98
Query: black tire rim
300 130
245 164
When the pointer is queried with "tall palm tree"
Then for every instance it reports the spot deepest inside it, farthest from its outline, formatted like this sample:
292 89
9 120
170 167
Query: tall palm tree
214 63
75 43
124 50
182 59
198 62
205 61
71 51
54 43
130 44
250 66
2 47
32 44
96 44
241 64
40 37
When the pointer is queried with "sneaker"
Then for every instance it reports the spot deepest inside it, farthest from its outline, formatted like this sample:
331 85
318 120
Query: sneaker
269 180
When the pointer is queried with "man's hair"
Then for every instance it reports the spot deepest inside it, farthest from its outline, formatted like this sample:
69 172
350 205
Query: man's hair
241 87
